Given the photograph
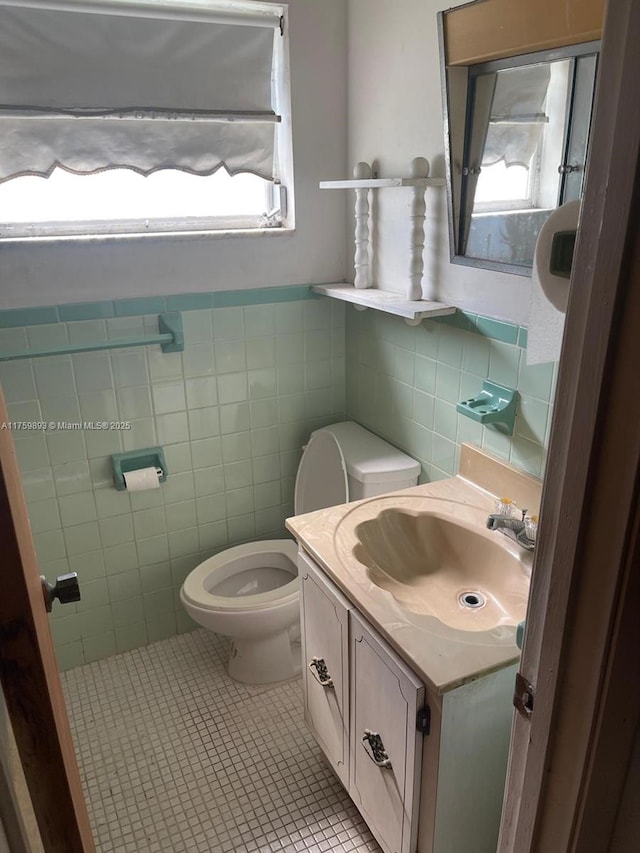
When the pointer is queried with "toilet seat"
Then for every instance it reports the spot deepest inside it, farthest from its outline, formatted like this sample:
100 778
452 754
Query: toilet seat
321 481
279 553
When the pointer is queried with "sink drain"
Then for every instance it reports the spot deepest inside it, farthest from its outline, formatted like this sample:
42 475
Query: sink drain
471 599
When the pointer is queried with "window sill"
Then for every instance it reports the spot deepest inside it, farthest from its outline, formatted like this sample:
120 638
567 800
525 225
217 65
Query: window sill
144 236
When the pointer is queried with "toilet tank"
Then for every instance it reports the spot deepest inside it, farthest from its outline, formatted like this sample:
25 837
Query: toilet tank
373 465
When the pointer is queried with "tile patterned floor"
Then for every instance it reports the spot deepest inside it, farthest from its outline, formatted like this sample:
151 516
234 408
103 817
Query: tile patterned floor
178 758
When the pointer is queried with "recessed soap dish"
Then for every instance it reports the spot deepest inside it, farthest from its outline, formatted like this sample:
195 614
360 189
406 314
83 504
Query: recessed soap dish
495 404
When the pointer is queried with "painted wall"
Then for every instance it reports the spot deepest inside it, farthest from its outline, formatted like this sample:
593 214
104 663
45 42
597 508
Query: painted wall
395 114
67 271
384 67
232 413
404 382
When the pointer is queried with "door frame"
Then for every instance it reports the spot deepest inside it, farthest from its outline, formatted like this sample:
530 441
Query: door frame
29 675
581 618
578 627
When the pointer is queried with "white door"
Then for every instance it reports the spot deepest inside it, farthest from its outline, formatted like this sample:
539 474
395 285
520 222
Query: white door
325 650
386 746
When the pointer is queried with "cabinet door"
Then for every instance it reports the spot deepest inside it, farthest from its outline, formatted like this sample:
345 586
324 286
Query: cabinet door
385 699
325 650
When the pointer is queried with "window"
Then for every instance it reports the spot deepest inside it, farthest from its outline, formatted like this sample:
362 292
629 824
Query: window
143 118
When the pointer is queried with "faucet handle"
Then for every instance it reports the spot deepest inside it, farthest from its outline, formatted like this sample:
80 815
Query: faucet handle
505 506
531 527
524 513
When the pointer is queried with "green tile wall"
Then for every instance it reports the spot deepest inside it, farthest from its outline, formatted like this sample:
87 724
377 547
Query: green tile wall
260 370
232 412
403 382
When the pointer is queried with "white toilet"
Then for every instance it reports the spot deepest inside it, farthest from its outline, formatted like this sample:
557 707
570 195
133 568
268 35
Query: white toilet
250 593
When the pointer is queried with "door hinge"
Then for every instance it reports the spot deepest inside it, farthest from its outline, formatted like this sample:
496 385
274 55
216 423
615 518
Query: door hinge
423 720
524 696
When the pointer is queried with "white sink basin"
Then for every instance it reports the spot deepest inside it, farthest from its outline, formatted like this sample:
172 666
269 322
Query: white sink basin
436 558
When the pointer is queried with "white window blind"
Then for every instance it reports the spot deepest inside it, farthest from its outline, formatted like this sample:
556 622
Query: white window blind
517 116
147 86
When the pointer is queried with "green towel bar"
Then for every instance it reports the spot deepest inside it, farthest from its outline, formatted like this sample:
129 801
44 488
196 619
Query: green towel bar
170 337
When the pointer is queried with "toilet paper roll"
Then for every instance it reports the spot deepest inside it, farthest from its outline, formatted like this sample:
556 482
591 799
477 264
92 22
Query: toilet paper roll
141 480
549 292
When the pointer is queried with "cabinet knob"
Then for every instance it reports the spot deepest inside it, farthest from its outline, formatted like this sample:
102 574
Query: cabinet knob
372 743
320 672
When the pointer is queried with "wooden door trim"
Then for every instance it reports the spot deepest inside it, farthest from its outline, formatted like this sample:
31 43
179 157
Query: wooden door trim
29 675
10 818
617 719
590 488
597 700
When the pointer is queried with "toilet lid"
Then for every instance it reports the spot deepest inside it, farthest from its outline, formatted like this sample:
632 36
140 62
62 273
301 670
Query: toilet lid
322 475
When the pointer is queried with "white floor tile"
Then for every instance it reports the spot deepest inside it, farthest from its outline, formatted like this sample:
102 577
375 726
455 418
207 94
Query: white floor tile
176 757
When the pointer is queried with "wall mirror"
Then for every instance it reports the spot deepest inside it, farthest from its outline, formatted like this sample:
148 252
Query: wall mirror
516 137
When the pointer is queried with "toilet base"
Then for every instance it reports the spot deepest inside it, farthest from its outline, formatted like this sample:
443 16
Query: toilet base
265 660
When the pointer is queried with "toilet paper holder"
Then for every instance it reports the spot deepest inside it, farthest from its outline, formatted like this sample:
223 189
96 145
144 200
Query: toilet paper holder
133 460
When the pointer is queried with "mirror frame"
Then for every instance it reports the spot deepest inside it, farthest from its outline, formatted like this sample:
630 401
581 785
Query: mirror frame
548 36
455 193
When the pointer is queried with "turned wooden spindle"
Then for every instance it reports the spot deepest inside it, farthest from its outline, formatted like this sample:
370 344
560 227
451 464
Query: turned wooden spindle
419 169
361 172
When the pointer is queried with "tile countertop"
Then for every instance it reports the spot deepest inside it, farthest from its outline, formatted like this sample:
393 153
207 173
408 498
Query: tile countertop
444 657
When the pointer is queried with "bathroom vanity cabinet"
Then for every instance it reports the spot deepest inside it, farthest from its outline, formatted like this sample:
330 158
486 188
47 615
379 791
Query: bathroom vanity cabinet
426 770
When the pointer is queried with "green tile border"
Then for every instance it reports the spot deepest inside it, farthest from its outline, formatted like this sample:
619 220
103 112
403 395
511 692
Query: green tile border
460 320
234 298
13 317
189 302
497 330
467 321
136 307
85 311
523 337
105 309
488 327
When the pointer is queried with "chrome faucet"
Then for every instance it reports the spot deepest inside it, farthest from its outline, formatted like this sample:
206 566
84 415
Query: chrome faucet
512 527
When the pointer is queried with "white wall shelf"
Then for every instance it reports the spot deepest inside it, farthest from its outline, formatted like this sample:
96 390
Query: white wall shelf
362 182
379 183
413 311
